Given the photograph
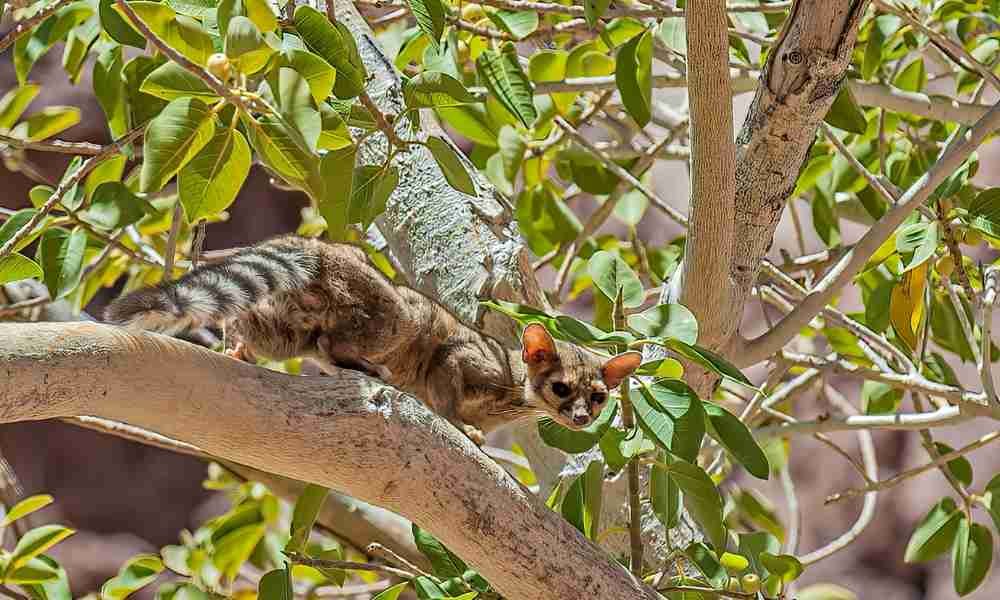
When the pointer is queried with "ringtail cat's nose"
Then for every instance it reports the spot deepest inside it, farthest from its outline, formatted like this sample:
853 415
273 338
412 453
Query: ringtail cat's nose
581 419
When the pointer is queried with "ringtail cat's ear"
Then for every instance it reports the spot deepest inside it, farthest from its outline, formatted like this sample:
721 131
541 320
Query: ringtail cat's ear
619 367
537 346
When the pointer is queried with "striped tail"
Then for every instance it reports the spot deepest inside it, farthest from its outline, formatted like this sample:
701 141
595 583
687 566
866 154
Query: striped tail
214 292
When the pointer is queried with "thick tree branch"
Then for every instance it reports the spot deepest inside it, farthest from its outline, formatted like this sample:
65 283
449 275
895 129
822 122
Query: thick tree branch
383 446
851 264
708 252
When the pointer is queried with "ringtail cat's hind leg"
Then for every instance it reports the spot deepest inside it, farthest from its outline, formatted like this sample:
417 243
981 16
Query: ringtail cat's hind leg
266 331
344 355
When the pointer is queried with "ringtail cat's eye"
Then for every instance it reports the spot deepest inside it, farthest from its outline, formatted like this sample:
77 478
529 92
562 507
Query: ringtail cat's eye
596 398
560 389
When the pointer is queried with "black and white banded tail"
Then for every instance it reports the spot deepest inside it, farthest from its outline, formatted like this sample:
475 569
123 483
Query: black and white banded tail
214 292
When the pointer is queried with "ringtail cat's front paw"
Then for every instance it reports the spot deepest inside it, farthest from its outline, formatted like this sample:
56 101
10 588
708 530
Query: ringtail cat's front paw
478 437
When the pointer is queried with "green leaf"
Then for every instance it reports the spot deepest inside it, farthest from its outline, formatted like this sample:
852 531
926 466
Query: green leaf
593 10
259 11
234 548
137 573
582 504
611 274
171 81
577 441
784 566
246 46
575 330
971 556
199 9
285 152
16 267
935 533
172 139
845 114
109 87
879 398
736 438
912 78
335 135
664 495
35 542
506 80
634 77
15 102
307 508
35 571
668 368
180 32
984 212
26 507
46 123
109 170
702 500
210 183
666 321
670 413
119 27
114 205
294 101
60 254
756 509
277 585
429 15
16 221
391 593
444 563
959 467
472 122
435 89
337 169
451 165
917 241
709 360
318 73
708 563
372 185
336 46
519 24
51 589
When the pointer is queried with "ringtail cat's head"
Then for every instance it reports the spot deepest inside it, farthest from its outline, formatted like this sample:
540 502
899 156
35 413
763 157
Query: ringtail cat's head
567 382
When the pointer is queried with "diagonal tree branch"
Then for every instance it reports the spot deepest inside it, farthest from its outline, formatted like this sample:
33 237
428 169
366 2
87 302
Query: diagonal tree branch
274 422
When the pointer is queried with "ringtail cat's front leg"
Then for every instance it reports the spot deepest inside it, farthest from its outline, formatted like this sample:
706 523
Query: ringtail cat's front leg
445 389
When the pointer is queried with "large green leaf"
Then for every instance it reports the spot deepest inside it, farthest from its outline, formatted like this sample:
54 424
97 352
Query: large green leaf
971 556
593 10
109 88
670 413
47 122
451 165
702 500
113 205
60 254
335 45
137 573
180 32
209 183
736 438
171 81
984 212
611 274
664 495
118 26
15 102
337 169
634 77
371 188
708 359
293 99
581 505
935 533
506 80
276 585
577 441
916 243
444 562
26 507
34 542
246 45
435 89
318 73
16 267
845 114
259 11
285 152
304 515
518 23
430 18
666 321
172 139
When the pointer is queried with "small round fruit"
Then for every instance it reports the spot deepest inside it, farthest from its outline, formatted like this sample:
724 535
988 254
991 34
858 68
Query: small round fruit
751 583
945 266
472 13
972 238
218 65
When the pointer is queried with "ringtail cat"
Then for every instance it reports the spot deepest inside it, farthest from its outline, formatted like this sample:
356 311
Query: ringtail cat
299 297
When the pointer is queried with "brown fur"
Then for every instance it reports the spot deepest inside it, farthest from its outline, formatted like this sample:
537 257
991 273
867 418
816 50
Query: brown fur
348 314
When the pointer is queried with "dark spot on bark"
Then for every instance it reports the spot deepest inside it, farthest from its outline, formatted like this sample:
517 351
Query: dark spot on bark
794 57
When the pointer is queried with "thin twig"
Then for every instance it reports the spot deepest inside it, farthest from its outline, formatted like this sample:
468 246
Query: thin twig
376 549
990 285
942 459
84 148
170 253
199 241
942 417
22 27
64 186
13 309
628 422
625 11
348 565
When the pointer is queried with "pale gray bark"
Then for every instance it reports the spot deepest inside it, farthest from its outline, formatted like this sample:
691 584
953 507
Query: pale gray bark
377 444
